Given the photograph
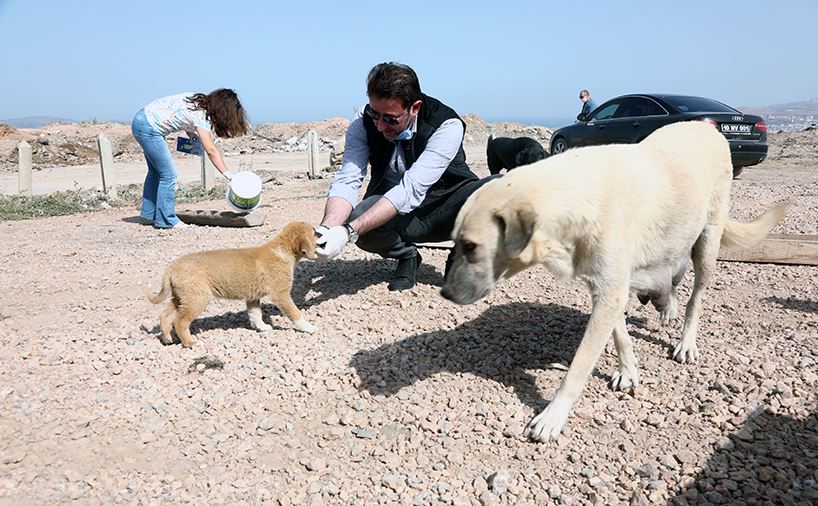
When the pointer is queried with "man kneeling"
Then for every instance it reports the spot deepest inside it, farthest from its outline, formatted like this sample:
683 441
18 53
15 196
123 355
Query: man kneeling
414 144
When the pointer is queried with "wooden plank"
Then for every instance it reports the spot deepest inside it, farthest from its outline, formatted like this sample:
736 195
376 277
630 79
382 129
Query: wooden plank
775 249
791 249
794 237
220 218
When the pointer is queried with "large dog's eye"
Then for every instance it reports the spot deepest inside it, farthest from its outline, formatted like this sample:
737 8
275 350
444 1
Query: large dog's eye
469 247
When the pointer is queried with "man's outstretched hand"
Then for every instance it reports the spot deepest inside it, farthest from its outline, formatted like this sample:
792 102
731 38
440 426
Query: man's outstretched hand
331 242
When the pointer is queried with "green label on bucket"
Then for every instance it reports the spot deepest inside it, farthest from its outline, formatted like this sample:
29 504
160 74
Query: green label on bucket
243 202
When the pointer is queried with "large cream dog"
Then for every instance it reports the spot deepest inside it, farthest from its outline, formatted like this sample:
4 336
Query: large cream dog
242 274
621 217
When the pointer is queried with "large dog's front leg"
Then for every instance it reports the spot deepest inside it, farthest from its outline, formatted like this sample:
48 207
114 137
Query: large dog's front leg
607 308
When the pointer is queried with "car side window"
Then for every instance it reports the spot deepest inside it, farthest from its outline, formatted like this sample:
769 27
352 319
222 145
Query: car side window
654 109
606 111
630 107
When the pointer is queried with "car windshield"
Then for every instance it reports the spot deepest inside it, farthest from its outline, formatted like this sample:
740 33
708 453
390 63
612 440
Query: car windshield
698 104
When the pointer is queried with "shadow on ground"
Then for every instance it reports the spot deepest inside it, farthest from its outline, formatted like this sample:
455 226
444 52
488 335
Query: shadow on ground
803 305
502 344
332 279
772 459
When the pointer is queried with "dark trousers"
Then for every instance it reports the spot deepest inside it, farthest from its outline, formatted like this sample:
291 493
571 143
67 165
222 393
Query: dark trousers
430 223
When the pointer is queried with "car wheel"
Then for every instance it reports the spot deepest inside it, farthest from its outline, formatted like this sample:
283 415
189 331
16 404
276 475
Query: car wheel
737 171
559 146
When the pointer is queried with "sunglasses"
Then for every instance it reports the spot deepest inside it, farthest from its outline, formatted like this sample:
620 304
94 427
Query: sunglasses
387 118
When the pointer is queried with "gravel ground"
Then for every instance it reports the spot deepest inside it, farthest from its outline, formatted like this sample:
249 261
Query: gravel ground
398 398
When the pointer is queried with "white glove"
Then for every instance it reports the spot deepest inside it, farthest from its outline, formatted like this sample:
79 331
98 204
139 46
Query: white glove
331 242
228 174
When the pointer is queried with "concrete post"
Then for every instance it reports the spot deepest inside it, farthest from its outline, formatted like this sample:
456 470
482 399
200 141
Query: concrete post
208 173
106 165
25 165
312 151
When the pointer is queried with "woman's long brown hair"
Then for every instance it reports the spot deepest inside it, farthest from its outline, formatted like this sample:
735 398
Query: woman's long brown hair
224 111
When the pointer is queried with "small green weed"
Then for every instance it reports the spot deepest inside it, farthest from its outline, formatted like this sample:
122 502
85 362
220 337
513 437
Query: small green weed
16 207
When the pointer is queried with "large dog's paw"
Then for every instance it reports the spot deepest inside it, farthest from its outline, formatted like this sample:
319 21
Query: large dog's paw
625 378
548 425
304 326
686 353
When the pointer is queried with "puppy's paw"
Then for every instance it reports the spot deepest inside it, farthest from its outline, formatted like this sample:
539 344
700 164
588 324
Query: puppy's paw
625 378
548 425
304 326
686 353
258 324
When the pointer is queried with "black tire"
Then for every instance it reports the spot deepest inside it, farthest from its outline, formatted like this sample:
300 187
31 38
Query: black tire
559 145
737 171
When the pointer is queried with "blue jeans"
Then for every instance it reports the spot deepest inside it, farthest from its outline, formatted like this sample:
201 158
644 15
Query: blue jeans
158 198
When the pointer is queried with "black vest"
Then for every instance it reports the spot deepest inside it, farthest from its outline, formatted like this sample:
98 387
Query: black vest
431 115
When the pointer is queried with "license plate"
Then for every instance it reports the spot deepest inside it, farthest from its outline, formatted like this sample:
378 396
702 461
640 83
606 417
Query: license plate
735 128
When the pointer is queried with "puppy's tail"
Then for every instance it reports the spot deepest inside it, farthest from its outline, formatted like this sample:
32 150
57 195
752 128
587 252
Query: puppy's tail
742 235
164 292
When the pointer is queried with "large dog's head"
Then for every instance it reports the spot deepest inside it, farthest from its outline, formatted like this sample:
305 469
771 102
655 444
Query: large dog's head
491 233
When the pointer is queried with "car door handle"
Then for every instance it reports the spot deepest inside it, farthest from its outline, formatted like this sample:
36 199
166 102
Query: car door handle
635 124
601 127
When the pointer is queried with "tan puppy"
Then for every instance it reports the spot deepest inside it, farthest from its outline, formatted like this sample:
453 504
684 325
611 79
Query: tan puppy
621 217
240 274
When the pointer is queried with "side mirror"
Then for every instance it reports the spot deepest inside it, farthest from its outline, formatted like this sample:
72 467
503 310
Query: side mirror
582 117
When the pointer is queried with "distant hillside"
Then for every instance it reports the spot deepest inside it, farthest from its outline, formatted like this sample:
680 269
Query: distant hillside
34 121
807 107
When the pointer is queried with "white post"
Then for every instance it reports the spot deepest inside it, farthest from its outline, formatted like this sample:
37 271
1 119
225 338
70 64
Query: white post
106 165
25 165
312 150
208 173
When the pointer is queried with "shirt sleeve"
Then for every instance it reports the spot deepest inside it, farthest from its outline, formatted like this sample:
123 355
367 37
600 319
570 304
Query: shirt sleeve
199 119
347 181
441 149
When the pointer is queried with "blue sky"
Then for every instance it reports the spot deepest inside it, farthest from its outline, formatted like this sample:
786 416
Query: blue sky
303 60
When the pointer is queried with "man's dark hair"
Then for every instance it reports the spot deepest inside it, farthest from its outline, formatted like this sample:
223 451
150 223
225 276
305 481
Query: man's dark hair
393 80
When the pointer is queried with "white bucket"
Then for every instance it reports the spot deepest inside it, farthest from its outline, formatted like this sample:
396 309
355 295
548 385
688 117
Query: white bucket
244 194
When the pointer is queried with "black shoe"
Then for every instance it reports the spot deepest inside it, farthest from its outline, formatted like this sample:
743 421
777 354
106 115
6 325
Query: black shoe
405 273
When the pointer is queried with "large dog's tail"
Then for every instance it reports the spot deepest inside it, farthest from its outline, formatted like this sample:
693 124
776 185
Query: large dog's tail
742 235
164 292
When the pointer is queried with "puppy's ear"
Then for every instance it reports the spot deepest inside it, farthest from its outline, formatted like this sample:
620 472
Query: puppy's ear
307 243
521 158
518 220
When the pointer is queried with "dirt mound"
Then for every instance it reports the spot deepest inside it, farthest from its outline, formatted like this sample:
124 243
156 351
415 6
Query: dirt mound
59 144
6 131
478 130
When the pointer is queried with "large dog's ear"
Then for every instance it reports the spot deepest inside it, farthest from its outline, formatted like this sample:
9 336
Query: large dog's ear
517 219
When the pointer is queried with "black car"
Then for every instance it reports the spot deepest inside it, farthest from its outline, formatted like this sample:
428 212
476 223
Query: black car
630 118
